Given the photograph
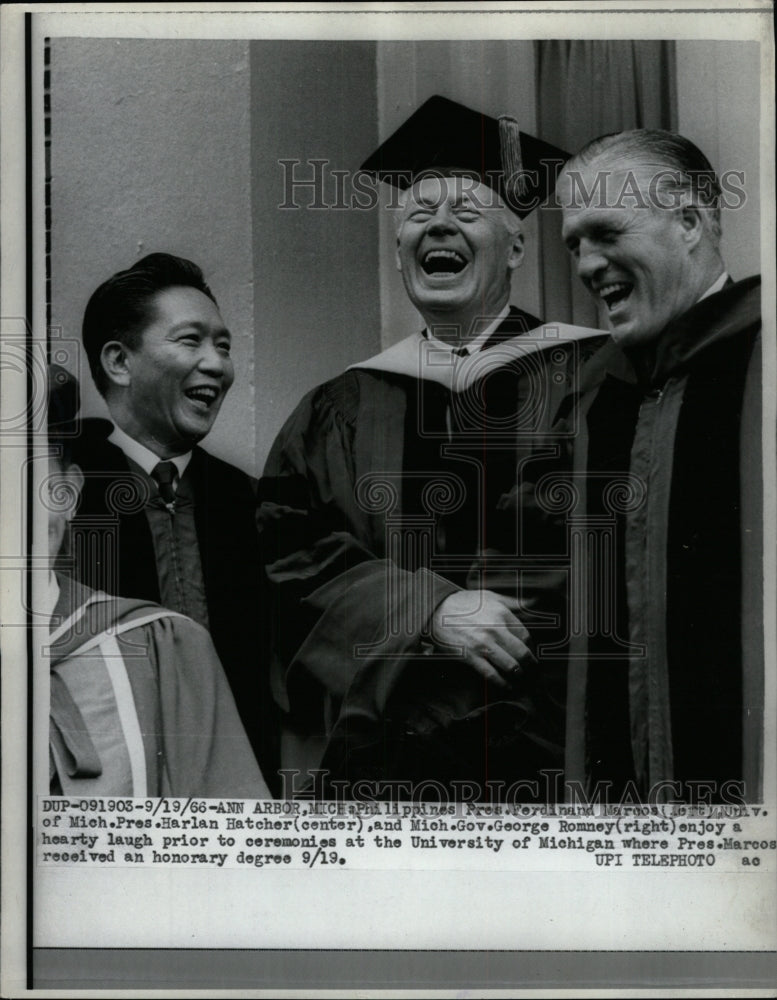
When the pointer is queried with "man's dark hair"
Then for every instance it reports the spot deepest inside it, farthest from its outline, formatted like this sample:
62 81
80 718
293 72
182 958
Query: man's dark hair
64 400
689 169
120 309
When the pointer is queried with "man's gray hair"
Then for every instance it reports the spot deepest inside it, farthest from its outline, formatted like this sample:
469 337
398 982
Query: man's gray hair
682 167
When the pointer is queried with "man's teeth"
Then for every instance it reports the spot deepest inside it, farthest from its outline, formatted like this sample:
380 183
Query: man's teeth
204 394
614 293
443 260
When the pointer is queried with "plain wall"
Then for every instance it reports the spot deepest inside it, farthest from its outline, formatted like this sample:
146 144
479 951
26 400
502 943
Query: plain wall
718 106
151 152
316 292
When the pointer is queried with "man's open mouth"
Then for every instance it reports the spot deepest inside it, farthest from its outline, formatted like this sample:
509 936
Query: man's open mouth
443 262
615 293
204 394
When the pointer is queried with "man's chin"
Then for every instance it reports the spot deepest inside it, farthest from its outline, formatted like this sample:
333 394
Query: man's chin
196 422
631 334
621 333
443 298
191 433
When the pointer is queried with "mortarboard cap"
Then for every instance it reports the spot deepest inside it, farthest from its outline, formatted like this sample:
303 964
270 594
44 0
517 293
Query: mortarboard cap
443 137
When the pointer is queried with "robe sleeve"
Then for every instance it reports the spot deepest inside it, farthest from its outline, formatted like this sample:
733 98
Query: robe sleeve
346 619
528 527
205 748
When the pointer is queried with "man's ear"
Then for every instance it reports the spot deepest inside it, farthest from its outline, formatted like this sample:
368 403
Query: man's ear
397 258
114 360
692 223
515 256
75 478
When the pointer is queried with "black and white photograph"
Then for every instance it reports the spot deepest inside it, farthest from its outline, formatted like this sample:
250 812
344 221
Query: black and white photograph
388 499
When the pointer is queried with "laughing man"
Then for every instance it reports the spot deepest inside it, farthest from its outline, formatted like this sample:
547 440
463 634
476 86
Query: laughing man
672 402
160 518
389 664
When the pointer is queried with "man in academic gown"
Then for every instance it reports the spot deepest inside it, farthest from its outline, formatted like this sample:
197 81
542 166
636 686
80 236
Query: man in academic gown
160 518
666 692
389 665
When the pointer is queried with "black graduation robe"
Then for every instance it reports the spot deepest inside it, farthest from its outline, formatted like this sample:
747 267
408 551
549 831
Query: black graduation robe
375 498
660 491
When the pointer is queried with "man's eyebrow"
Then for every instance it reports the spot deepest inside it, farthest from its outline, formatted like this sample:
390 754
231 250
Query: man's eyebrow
467 200
195 324
591 226
424 202
604 226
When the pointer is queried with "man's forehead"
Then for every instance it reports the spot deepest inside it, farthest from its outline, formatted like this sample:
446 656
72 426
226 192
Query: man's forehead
577 219
435 189
611 181
178 303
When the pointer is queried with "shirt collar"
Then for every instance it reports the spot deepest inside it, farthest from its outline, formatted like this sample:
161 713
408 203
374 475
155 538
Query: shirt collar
475 345
716 286
143 456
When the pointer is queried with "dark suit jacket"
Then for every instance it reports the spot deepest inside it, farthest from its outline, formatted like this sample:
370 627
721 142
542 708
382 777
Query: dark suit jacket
111 507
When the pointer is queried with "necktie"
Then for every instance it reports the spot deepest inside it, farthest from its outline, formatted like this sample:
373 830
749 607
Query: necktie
164 473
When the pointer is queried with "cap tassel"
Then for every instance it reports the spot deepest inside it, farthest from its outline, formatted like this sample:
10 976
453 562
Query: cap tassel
515 181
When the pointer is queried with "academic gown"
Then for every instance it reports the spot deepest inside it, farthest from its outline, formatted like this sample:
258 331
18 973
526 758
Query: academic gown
140 705
663 496
375 498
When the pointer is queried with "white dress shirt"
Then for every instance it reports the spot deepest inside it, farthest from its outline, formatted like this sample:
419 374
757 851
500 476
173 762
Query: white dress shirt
143 456
477 343
716 286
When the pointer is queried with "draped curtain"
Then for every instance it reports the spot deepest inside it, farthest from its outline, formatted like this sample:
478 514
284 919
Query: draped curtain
586 89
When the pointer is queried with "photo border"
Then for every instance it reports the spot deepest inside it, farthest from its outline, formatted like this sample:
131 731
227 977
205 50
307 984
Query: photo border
355 969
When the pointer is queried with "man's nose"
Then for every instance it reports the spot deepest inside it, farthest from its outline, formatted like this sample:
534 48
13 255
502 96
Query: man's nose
442 221
590 259
212 360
